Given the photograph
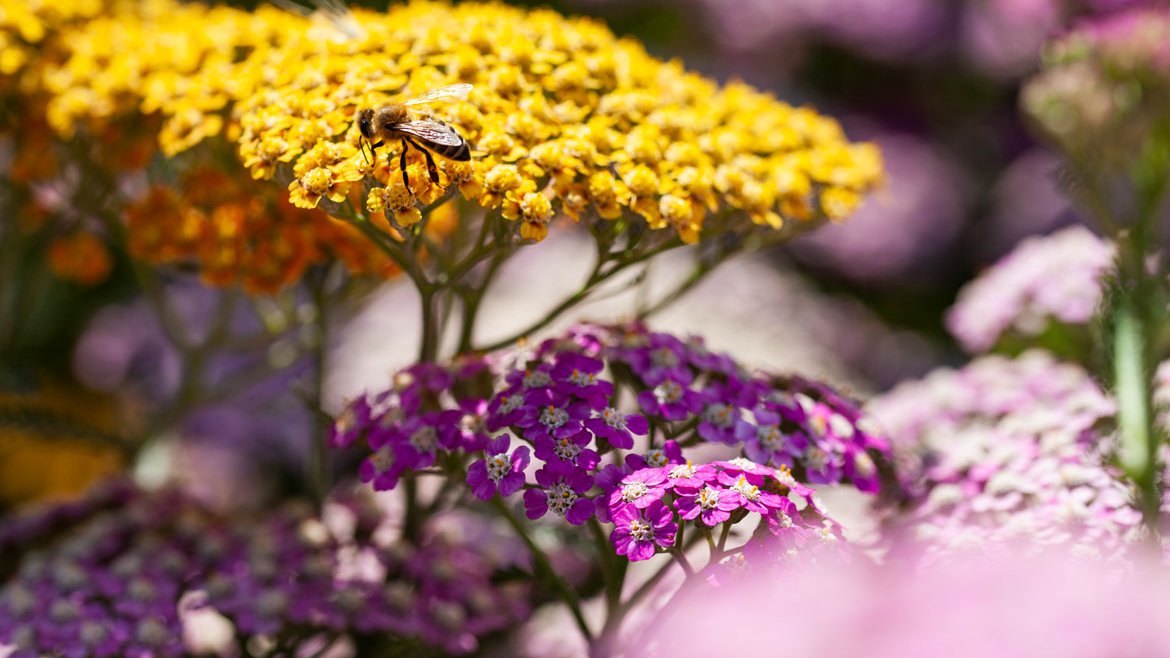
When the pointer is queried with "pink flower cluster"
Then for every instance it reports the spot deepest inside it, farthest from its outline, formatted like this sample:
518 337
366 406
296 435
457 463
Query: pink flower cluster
1045 282
1008 450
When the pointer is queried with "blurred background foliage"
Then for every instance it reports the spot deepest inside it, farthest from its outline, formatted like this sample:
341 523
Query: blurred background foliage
935 83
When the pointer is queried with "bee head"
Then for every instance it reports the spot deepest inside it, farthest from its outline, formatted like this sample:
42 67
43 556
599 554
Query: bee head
365 121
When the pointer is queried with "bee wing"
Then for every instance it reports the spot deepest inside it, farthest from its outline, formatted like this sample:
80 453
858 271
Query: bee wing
455 92
431 131
330 14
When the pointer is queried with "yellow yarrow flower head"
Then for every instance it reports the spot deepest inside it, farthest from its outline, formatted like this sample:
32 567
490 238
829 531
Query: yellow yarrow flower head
560 108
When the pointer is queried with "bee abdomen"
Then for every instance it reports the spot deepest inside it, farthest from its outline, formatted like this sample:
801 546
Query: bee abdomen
460 151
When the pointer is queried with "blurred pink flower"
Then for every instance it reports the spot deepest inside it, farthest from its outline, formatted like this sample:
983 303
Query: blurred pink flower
1004 451
1046 280
1023 608
881 29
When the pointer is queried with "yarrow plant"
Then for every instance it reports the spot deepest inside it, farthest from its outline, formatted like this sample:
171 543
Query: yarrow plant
553 423
172 145
1101 100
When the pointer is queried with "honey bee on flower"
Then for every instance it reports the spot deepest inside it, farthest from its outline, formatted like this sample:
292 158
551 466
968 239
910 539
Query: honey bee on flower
394 121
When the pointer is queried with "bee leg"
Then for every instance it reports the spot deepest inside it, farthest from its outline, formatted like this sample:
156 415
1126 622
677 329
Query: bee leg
432 170
402 166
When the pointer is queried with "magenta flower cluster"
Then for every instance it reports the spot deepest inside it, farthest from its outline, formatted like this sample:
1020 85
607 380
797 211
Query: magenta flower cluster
550 423
121 573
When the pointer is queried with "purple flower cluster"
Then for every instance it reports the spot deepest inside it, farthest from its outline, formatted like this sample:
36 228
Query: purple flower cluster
790 422
1006 450
555 429
124 581
429 411
1052 280
443 589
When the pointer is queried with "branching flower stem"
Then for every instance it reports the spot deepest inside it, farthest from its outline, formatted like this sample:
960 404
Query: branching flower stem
545 571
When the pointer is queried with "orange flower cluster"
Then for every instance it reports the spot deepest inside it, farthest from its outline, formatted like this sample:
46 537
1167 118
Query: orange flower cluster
81 258
242 233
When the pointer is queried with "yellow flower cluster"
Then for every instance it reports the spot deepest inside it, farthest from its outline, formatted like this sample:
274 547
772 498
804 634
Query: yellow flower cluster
57 440
25 26
564 118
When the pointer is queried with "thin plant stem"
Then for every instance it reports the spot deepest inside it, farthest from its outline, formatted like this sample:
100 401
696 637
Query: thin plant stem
473 300
545 569
318 454
597 276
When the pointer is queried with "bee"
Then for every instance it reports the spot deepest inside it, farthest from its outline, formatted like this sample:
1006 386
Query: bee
394 121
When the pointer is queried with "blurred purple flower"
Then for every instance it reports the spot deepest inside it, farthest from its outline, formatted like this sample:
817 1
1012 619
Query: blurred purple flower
1003 38
121 582
906 230
876 27
1026 200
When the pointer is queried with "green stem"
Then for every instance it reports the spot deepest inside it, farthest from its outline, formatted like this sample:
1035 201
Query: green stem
545 569
613 591
703 267
597 276
1139 313
473 300
1133 361
318 471
428 349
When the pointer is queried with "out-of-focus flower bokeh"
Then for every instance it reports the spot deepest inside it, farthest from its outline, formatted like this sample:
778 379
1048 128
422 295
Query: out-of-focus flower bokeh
166 327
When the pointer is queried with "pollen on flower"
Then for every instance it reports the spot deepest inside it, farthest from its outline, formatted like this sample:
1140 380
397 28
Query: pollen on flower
746 489
566 449
770 437
561 498
634 490
640 530
615 419
498 466
708 498
682 471
553 417
668 392
655 458
719 414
